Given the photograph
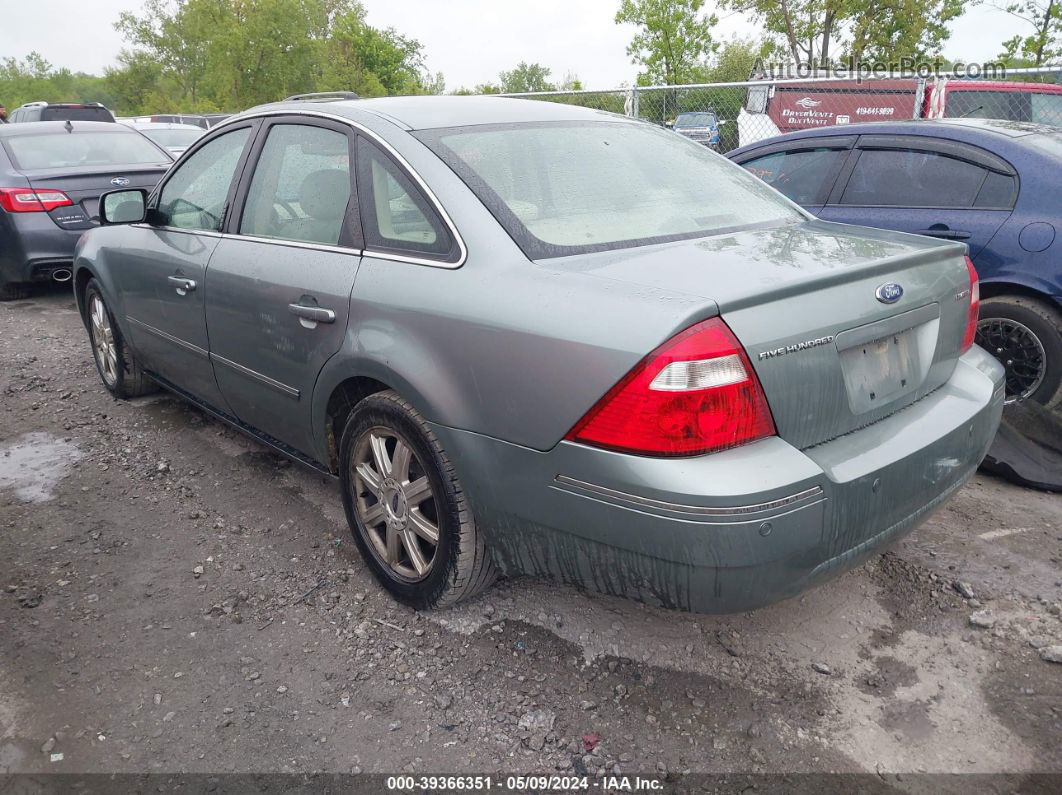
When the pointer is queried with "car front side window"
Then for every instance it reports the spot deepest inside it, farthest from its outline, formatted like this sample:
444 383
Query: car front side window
805 175
301 186
194 197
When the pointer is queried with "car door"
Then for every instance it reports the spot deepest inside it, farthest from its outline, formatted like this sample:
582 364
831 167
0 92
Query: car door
162 264
927 186
279 283
804 169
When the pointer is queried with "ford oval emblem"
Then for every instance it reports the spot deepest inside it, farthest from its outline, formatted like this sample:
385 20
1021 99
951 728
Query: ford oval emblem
889 293
120 182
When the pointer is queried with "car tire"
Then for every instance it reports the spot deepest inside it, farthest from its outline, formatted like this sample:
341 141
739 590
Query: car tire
390 518
1038 326
116 363
13 291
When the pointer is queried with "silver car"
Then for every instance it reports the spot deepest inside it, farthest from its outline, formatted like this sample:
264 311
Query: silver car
174 137
531 338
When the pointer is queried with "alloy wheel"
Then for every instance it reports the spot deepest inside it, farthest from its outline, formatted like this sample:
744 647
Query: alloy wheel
103 344
1020 352
395 503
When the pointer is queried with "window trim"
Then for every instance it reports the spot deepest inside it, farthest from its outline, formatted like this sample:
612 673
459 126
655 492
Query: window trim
956 150
351 220
156 194
397 252
402 162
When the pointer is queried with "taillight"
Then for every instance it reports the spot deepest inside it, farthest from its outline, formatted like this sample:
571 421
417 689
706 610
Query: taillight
27 200
695 394
974 309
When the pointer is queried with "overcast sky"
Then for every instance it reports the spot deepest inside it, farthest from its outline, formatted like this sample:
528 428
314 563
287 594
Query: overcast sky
469 41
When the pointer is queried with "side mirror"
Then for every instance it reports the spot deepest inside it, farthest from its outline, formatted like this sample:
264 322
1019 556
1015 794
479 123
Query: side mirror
123 206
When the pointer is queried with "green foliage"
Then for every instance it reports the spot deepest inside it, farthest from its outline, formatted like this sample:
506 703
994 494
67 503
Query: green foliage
218 55
814 31
1045 44
33 79
525 77
673 40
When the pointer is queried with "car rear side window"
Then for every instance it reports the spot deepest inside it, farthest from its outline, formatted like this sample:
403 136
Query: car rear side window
805 176
194 196
70 150
999 190
395 215
912 178
301 186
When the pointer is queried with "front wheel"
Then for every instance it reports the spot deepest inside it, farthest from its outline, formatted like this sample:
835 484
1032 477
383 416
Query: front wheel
406 508
1025 335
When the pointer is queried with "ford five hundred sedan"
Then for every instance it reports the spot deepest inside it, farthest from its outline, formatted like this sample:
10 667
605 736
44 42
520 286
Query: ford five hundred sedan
530 338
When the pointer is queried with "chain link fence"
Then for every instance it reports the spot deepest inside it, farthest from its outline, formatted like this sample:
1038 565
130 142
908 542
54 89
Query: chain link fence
725 116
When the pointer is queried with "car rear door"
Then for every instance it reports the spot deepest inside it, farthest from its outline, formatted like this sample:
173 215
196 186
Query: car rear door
926 186
804 169
279 283
161 266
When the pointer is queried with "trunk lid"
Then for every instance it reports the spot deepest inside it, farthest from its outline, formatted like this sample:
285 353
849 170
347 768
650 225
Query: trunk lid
803 299
85 186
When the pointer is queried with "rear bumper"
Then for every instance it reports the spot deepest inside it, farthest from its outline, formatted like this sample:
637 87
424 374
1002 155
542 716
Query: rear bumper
734 530
32 247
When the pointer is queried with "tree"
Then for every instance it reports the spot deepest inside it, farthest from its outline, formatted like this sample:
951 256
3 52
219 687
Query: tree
886 30
525 77
895 29
229 54
1045 44
673 40
737 59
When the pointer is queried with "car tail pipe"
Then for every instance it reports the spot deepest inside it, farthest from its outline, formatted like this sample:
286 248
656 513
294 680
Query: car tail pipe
61 275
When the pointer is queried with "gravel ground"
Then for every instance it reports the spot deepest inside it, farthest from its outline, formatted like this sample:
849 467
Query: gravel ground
175 598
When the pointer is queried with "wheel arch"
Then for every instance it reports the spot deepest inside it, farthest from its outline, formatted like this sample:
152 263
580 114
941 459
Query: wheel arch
996 289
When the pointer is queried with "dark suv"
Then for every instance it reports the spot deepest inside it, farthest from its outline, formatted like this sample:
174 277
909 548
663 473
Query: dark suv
48 111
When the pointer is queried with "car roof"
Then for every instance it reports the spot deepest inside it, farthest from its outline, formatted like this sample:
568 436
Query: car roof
160 125
982 131
429 112
41 127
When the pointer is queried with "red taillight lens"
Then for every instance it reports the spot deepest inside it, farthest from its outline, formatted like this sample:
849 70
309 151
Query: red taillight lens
695 394
27 200
975 308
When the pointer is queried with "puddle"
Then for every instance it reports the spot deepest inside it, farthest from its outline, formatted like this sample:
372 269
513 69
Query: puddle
34 464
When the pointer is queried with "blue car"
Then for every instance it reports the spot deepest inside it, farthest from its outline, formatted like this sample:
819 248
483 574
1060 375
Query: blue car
701 126
994 185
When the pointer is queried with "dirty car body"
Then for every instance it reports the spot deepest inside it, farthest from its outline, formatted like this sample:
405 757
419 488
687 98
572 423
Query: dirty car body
648 373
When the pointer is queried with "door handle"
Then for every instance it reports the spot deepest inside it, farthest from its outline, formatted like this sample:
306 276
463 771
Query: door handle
181 284
316 314
944 234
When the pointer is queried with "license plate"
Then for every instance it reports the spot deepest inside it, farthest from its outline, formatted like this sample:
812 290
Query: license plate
879 371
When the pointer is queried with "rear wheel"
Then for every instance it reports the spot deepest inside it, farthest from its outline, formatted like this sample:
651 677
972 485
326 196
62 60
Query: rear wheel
116 364
1025 335
13 291
406 507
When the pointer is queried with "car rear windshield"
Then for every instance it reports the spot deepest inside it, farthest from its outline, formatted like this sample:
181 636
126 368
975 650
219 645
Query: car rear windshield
64 150
696 120
569 188
1032 106
174 138
60 113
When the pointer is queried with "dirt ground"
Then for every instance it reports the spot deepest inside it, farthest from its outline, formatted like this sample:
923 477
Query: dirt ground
174 597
